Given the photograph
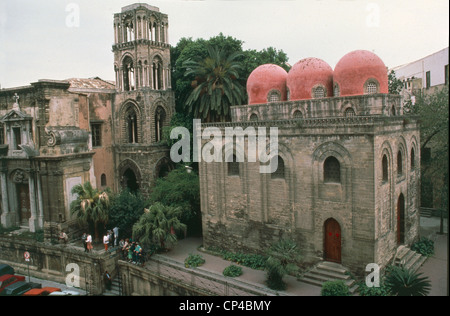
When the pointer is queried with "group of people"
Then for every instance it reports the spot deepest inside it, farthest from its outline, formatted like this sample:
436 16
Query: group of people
110 238
132 251
87 242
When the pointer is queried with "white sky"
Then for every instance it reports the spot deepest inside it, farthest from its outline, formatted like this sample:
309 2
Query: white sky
37 43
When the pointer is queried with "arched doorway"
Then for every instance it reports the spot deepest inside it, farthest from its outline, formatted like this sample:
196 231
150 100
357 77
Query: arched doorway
332 241
129 180
401 219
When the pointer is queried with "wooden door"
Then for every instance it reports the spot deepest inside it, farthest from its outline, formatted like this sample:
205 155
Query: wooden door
332 241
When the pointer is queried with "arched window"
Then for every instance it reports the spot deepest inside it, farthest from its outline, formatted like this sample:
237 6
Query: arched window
393 110
413 158
132 127
332 170
371 87
336 90
319 92
103 180
233 167
298 114
128 74
157 73
384 164
349 112
399 163
253 117
274 96
279 173
160 116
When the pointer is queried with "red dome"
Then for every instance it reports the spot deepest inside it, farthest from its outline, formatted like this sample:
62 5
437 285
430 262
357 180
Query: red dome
307 74
264 79
356 69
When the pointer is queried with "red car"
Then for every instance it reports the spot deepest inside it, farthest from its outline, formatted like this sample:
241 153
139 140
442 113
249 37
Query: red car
9 279
41 292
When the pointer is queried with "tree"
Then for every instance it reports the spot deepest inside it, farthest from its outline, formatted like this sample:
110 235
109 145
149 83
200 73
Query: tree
125 209
181 189
187 48
395 85
403 282
159 225
432 109
215 85
283 258
91 206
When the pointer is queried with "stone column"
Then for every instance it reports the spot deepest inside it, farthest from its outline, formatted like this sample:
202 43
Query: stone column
40 203
6 217
33 219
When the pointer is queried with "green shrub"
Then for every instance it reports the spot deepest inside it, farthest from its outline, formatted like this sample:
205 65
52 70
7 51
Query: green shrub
381 290
253 261
232 271
335 288
424 246
193 261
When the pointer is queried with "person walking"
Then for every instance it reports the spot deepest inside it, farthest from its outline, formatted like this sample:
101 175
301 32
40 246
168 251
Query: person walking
89 243
106 241
116 235
83 239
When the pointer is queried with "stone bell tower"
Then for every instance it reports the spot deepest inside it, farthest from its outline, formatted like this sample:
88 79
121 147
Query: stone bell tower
144 101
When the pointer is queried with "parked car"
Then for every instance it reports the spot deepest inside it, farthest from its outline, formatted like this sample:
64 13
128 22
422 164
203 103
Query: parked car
18 288
8 279
42 292
6 269
64 293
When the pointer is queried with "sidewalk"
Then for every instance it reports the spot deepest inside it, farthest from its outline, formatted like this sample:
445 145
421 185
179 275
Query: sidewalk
435 267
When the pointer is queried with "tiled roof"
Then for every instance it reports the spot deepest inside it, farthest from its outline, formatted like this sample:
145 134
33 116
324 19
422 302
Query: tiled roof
90 83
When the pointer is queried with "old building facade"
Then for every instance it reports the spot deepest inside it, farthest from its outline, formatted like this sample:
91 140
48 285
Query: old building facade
347 184
55 134
46 150
144 101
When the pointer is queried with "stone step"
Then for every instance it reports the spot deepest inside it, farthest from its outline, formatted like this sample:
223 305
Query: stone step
408 258
329 271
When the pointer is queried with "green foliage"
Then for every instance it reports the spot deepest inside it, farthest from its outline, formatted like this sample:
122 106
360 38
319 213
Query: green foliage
158 225
215 85
91 205
232 271
403 282
381 290
193 261
424 246
334 288
253 261
432 109
126 208
283 258
395 85
189 49
182 190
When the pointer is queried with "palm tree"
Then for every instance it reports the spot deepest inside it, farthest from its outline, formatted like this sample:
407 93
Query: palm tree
404 282
91 206
216 86
159 224
283 258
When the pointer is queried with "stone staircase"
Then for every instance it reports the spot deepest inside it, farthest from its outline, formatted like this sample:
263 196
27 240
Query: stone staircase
426 212
329 271
409 259
115 288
